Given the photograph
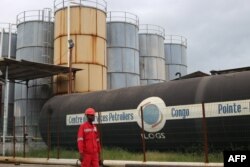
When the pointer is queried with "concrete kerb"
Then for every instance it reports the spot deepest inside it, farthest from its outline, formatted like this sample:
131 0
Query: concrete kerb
112 163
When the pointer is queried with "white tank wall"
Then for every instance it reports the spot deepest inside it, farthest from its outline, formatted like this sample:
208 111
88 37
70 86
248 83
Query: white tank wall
34 43
152 59
122 54
176 57
5 44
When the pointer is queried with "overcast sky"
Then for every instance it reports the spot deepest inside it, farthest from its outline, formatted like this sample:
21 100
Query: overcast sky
218 31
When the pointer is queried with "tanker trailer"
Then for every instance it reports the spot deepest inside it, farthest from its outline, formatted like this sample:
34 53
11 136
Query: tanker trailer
172 114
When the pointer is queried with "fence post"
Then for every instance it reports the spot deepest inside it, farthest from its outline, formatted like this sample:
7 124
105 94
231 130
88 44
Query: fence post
24 137
142 135
48 135
99 128
14 137
204 126
58 139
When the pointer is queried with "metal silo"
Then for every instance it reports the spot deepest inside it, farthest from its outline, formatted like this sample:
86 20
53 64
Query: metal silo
152 59
122 50
8 38
86 26
175 48
35 31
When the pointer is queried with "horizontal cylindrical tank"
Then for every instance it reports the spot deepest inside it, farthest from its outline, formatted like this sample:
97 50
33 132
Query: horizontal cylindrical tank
35 29
175 49
86 26
152 59
8 38
119 109
122 50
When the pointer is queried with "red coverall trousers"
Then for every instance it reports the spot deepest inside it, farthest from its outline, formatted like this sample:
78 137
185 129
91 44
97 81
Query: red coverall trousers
88 145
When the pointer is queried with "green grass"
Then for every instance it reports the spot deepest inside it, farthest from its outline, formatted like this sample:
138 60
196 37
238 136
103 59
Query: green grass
120 154
68 154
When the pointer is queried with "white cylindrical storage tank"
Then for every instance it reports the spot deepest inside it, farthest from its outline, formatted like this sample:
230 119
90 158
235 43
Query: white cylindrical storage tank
8 38
152 59
175 48
122 50
86 26
35 31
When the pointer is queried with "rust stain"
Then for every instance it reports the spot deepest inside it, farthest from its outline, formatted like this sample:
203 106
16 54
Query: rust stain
94 63
93 35
61 26
96 26
60 56
76 52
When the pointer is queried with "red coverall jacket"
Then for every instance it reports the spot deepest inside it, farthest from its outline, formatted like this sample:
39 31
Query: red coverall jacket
88 139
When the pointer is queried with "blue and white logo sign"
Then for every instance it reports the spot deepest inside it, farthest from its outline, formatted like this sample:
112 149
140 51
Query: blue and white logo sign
153 117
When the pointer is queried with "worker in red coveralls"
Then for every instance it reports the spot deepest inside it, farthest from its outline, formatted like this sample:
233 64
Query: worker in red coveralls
88 141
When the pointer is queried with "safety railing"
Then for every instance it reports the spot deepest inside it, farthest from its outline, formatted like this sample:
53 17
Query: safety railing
175 39
119 16
151 29
45 15
98 4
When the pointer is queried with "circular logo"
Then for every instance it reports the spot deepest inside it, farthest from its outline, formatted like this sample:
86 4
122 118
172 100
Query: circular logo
151 114
152 110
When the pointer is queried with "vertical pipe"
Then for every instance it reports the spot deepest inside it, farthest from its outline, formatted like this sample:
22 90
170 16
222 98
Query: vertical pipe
5 115
143 135
14 137
50 16
9 51
137 21
17 20
27 106
1 55
69 50
70 71
204 125
125 18
42 11
23 16
68 29
24 138
74 79
56 84
1 43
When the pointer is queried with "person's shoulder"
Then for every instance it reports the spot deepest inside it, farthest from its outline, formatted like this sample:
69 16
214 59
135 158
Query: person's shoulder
86 123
